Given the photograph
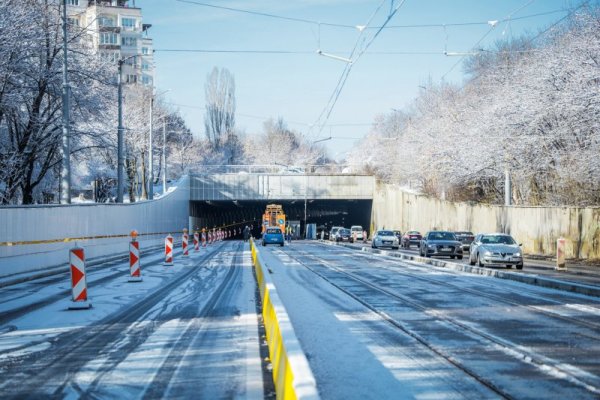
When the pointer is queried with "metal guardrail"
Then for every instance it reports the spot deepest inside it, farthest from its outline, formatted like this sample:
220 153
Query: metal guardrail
316 169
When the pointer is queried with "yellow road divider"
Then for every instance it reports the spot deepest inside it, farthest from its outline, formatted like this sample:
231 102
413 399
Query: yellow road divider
292 375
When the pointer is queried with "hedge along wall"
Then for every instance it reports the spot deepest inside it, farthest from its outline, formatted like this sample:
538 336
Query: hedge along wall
537 228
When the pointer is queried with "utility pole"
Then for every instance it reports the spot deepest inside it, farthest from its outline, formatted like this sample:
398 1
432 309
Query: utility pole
164 157
65 171
120 161
150 152
507 188
305 205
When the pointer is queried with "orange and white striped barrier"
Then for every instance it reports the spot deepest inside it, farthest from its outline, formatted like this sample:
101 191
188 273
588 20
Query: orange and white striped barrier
184 243
196 241
79 298
135 273
169 250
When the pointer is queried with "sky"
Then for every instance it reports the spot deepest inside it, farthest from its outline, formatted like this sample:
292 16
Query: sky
297 86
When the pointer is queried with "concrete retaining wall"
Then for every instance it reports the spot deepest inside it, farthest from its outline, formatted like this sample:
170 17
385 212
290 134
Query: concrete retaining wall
101 229
537 228
292 375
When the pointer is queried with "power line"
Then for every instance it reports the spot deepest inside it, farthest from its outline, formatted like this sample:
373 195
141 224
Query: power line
508 18
348 26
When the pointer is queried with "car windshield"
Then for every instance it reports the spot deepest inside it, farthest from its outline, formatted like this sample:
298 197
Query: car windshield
465 233
497 239
359 229
413 233
442 236
273 230
345 231
385 233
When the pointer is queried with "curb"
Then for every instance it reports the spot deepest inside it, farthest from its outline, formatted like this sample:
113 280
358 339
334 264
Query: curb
292 375
57 270
529 279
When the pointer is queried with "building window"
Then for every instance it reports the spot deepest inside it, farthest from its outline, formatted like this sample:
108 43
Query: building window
72 2
145 51
105 21
129 41
108 38
131 78
146 80
128 23
145 66
73 21
109 56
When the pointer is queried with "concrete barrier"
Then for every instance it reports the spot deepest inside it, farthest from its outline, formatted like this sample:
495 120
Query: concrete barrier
37 238
292 375
537 228
529 279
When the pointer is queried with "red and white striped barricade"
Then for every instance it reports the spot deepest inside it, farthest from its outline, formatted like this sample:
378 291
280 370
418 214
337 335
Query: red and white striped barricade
196 241
184 243
169 250
79 300
203 238
135 272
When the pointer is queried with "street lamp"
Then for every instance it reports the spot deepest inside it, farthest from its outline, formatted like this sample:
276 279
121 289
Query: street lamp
120 128
65 169
150 148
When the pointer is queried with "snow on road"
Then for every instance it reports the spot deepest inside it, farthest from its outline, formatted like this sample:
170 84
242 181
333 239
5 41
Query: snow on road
374 327
187 331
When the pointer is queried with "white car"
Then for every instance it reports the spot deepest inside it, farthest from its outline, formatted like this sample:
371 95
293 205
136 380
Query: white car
385 238
496 248
356 231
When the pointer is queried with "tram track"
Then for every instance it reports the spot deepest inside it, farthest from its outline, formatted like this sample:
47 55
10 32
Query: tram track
544 364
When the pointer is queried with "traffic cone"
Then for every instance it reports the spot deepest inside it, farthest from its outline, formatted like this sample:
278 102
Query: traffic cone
79 300
169 250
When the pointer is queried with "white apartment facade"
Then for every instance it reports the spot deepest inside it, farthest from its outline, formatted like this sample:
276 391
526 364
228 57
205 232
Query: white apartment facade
118 32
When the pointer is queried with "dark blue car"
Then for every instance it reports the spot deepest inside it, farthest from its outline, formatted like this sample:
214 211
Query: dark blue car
273 235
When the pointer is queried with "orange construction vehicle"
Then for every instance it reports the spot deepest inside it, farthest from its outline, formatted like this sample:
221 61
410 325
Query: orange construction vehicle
273 216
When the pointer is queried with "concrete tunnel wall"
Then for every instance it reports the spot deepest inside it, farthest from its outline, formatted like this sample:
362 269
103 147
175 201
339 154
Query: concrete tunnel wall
537 228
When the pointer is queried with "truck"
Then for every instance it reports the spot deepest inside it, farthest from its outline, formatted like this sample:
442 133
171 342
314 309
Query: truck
273 216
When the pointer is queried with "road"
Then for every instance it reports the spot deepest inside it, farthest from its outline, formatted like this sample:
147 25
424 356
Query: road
187 331
375 327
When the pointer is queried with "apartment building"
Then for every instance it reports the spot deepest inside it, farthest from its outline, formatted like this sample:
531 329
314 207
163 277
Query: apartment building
117 30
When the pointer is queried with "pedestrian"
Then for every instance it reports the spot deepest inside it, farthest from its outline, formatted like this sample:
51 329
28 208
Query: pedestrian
365 236
322 234
288 231
246 233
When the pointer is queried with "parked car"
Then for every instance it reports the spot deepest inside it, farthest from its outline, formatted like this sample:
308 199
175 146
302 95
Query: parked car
356 231
343 235
333 232
385 239
466 238
398 234
441 243
411 238
496 248
273 235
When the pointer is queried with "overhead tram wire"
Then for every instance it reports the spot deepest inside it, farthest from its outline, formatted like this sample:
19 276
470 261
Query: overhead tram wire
348 26
508 18
344 77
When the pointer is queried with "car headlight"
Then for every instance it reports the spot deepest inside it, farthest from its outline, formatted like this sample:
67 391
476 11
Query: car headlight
518 254
431 246
487 253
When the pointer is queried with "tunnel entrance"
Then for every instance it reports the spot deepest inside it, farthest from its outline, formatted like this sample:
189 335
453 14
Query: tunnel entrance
237 214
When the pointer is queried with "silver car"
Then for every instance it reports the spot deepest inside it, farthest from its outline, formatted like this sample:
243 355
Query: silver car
440 244
496 248
385 239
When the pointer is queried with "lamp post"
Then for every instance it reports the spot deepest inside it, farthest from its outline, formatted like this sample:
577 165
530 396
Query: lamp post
120 128
65 171
151 149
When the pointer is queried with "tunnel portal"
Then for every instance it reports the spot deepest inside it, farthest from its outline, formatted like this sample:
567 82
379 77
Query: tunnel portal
237 214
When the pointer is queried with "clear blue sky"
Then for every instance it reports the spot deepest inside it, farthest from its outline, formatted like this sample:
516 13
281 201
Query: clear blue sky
297 86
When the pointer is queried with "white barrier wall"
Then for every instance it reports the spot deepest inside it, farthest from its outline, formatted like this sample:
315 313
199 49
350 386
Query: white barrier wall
537 228
152 219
